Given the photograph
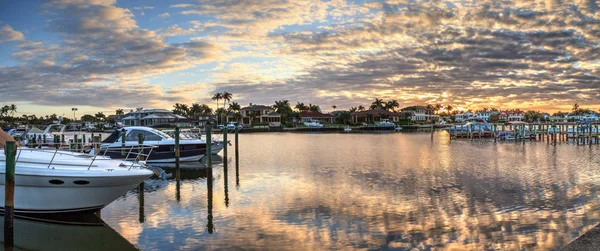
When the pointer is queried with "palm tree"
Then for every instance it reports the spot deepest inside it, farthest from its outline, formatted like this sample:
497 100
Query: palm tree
392 105
314 108
378 103
334 107
12 109
119 112
575 108
301 107
449 108
234 106
226 96
217 96
361 108
100 116
437 107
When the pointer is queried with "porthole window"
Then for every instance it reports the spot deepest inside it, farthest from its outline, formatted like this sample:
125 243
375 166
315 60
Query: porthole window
81 182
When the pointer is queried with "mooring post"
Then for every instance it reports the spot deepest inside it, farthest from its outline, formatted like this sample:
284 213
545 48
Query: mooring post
75 143
123 142
44 138
140 147
9 192
83 141
39 141
177 167
96 142
62 138
208 145
225 131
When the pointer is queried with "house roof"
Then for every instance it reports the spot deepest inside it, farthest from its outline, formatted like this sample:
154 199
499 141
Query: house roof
273 114
377 112
415 107
256 108
311 114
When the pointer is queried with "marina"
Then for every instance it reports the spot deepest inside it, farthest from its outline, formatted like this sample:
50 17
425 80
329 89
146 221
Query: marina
400 190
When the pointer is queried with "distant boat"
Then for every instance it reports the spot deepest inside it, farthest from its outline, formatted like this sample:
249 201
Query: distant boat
190 149
384 123
313 124
347 129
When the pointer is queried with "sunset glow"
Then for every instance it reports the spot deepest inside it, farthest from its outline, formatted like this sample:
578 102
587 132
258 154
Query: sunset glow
101 55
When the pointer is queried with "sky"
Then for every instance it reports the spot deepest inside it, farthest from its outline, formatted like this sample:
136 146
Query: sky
102 55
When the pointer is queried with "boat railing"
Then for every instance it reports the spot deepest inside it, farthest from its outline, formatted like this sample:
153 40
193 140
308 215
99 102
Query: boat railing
134 154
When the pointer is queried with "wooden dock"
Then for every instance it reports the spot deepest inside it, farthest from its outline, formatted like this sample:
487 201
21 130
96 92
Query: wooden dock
579 133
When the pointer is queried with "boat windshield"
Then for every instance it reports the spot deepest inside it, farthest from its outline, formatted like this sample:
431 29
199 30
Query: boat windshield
55 128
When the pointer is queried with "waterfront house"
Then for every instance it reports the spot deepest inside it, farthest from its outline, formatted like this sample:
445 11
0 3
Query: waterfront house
420 113
155 118
511 115
485 115
373 115
558 119
204 119
258 114
592 116
463 117
308 116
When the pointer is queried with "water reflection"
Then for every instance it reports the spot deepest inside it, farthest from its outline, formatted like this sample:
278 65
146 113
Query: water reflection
84 233
371 191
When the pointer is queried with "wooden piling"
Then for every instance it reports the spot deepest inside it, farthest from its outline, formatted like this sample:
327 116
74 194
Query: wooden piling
82 141
140 147
225 132
62 138
208 145
9 193
96 146
177 166
75 143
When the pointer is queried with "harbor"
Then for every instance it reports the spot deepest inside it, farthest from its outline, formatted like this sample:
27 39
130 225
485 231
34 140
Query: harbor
401 190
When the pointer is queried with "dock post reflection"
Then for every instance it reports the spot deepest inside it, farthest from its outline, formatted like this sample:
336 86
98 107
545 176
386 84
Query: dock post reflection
9 194
209 183
237 159
225 182
142 215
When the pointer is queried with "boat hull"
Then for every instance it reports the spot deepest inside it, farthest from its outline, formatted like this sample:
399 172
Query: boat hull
57 194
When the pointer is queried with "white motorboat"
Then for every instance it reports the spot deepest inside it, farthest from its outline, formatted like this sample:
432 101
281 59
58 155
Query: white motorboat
52 181
33 135
313 124
384 123
347 129
164 152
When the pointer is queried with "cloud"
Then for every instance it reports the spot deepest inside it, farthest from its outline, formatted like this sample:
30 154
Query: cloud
7 34
143 8
104 59
182 5
164 15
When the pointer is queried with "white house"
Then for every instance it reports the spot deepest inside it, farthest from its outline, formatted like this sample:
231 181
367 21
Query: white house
485 115
462 117
154 117
421 113
584 117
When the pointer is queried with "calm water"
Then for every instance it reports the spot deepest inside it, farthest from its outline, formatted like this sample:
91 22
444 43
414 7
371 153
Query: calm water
369 191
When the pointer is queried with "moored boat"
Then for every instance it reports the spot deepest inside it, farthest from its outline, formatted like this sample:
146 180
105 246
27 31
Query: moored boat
164 152
53 181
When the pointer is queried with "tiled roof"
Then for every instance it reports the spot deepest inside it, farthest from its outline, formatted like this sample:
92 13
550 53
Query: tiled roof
311 114
377 112
257 107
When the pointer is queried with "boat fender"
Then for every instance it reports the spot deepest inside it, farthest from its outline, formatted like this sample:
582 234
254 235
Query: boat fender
159 172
